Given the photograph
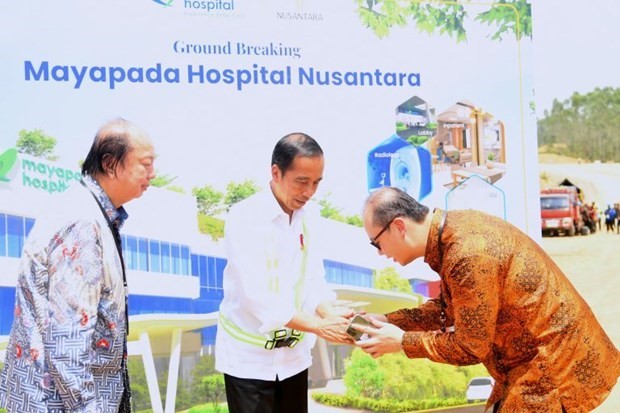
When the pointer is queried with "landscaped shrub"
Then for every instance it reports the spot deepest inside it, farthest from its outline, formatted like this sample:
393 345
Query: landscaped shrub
384 405
394 382
363 377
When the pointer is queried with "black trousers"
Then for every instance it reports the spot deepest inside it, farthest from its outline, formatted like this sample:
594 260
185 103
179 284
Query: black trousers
264 396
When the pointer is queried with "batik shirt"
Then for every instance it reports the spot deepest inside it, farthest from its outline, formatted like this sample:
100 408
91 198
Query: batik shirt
512 309
66 345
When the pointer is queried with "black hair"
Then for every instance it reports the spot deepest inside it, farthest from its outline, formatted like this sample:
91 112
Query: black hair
110 147
291 146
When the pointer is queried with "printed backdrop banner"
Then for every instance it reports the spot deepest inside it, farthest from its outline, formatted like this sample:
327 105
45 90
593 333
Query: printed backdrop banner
435 98
216 83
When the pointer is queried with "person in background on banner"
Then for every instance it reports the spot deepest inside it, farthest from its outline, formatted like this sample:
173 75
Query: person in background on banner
276 300
440 152
503 303
67 350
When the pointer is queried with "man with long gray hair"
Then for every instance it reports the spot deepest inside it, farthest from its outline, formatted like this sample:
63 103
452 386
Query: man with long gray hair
67 350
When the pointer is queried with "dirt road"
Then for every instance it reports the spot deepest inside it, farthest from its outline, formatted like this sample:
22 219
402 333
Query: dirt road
592 263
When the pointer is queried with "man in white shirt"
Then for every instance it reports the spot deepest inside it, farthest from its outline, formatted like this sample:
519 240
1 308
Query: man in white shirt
276 300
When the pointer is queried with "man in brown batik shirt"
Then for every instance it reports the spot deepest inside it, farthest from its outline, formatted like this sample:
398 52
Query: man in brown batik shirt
503 303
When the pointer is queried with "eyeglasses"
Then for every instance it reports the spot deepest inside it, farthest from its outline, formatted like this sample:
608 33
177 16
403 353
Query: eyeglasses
373 241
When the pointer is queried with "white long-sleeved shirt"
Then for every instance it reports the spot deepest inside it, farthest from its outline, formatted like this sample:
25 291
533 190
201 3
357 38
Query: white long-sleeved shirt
265 254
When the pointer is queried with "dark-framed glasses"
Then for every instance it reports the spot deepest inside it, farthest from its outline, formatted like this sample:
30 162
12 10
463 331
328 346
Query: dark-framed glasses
373 241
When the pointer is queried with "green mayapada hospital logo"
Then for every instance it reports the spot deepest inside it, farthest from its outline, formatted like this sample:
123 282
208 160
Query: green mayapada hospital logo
7 161
36 173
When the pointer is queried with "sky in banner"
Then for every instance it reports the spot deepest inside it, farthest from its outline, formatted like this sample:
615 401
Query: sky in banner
217 133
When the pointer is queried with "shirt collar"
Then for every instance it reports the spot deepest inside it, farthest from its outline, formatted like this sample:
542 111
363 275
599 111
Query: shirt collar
275 211
431 256
116 216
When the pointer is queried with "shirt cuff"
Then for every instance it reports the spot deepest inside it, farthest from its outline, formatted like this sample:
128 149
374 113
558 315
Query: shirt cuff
413 345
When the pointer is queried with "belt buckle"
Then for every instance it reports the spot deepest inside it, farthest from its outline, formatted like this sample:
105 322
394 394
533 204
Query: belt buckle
282 343
293 342
279 336
289 342
282 339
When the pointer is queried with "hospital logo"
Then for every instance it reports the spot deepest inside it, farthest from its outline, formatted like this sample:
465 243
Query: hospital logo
8 159
165 3
213 6
34 173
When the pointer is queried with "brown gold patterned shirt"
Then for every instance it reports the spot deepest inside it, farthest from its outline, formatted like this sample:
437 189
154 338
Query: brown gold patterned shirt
512 309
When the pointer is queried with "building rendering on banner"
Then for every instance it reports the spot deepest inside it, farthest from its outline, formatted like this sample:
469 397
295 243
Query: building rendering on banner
175 272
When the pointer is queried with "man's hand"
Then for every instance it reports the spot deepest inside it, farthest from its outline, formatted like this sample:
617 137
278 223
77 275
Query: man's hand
329 323
385 338
326 309
341 311
375 316
333 329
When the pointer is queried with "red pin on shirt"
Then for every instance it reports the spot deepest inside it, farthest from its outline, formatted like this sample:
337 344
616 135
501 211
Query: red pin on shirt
301 241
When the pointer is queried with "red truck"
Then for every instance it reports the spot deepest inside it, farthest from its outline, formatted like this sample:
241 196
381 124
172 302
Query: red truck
562 212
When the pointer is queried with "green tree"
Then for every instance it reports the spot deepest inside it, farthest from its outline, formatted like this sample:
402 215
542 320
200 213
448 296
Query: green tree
176 188
355 220
140 397
204 367
212 202
397 378
422 379
212 226
446 17
363 377
238 192
389 279
209 200
213 390
329 211
407 380
36 143
183 397
585 126
164 181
